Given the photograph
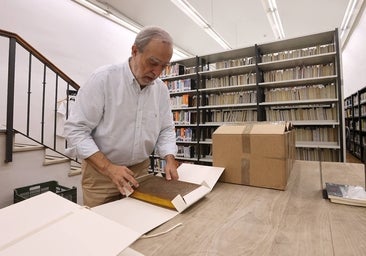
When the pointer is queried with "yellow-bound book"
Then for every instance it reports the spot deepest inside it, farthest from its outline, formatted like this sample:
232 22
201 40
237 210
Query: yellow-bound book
159 191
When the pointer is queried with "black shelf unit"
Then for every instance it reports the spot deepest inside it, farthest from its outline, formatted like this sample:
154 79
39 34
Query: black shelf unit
355 123
297 80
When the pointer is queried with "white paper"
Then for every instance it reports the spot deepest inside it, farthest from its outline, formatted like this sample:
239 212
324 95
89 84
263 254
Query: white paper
130 252
135 214
22 218
73 230
198 174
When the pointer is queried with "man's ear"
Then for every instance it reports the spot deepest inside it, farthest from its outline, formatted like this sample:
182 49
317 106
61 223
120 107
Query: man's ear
134 50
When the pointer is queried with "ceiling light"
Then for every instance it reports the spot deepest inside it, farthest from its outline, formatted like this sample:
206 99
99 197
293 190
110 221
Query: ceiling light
274 18
113 15
193 14
92 7
127 24
350 15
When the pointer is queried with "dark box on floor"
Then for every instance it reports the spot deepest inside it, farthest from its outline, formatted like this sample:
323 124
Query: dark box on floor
23 193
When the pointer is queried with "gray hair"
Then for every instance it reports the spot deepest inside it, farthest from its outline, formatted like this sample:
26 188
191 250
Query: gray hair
149 33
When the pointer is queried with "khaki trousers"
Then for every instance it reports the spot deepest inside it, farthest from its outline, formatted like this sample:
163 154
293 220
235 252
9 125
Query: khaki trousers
99 189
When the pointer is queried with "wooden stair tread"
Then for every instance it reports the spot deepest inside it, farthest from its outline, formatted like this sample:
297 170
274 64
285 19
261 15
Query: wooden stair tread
52 159
20 147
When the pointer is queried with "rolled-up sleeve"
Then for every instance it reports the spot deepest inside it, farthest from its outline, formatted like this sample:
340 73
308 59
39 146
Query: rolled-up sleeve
84 117
166 144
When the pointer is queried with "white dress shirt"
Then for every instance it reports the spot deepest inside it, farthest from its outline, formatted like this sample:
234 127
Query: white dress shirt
112 114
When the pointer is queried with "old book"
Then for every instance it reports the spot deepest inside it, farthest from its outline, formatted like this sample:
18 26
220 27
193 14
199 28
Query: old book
346 194
159 191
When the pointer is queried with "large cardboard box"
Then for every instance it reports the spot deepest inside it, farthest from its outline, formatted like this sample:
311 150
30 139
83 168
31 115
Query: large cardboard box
257 154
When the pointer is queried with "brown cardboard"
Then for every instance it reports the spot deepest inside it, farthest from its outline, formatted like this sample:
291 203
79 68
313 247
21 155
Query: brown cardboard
257 154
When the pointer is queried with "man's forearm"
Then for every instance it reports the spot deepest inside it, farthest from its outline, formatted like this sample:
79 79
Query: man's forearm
100 162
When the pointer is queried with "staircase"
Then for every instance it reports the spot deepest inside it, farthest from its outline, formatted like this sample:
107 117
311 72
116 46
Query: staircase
31 151
34 164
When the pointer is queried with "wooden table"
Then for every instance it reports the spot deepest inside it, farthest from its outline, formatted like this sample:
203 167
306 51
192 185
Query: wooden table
243 220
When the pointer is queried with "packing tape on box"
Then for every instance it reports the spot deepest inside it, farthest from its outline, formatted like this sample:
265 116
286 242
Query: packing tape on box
245 167
246 139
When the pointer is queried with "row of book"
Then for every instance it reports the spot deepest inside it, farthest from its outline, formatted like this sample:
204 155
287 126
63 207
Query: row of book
357 138
363 125
301 93
159 165
363 110
232 63
326 134
182 117
186 151
181 101
363 97
356 149
184 134
227 98
301 114
348 103
312 154
181 85
299 72
176 70
348 113
218 116
224 81
298 53
356 125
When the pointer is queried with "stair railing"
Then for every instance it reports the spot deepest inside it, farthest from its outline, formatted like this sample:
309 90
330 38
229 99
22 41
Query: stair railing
40 105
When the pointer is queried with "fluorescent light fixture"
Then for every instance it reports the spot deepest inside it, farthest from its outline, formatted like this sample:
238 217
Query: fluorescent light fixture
92 7
127 24
350 16
274 18
194 15
109 13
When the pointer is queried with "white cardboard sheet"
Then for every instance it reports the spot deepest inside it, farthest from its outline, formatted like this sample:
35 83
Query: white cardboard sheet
135 214
48 224
143 217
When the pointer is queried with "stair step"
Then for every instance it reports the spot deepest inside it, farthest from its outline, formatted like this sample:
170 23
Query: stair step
52 159
74 170
21 147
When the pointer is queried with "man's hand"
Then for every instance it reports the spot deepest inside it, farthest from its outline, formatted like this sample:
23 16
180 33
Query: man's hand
171 168
120 175
123 178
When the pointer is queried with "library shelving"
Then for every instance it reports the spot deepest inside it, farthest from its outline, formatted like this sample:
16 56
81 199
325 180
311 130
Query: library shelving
301 83
297 80
355 123
182 79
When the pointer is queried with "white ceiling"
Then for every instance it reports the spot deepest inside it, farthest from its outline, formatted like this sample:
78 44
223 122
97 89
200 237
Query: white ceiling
241 23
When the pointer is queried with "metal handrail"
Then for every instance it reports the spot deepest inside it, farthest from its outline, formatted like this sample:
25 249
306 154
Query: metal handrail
15 40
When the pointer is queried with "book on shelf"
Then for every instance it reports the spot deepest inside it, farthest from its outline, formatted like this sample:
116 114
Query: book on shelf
346 194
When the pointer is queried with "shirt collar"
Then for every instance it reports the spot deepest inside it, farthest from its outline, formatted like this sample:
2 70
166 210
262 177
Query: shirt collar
130 77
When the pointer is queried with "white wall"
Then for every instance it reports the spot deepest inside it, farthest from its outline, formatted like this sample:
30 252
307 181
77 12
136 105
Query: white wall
69 35
74 39
354 59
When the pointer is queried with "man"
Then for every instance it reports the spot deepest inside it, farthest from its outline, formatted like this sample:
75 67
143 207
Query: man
120 116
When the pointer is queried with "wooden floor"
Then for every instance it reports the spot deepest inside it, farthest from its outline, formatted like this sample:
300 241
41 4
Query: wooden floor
351 158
